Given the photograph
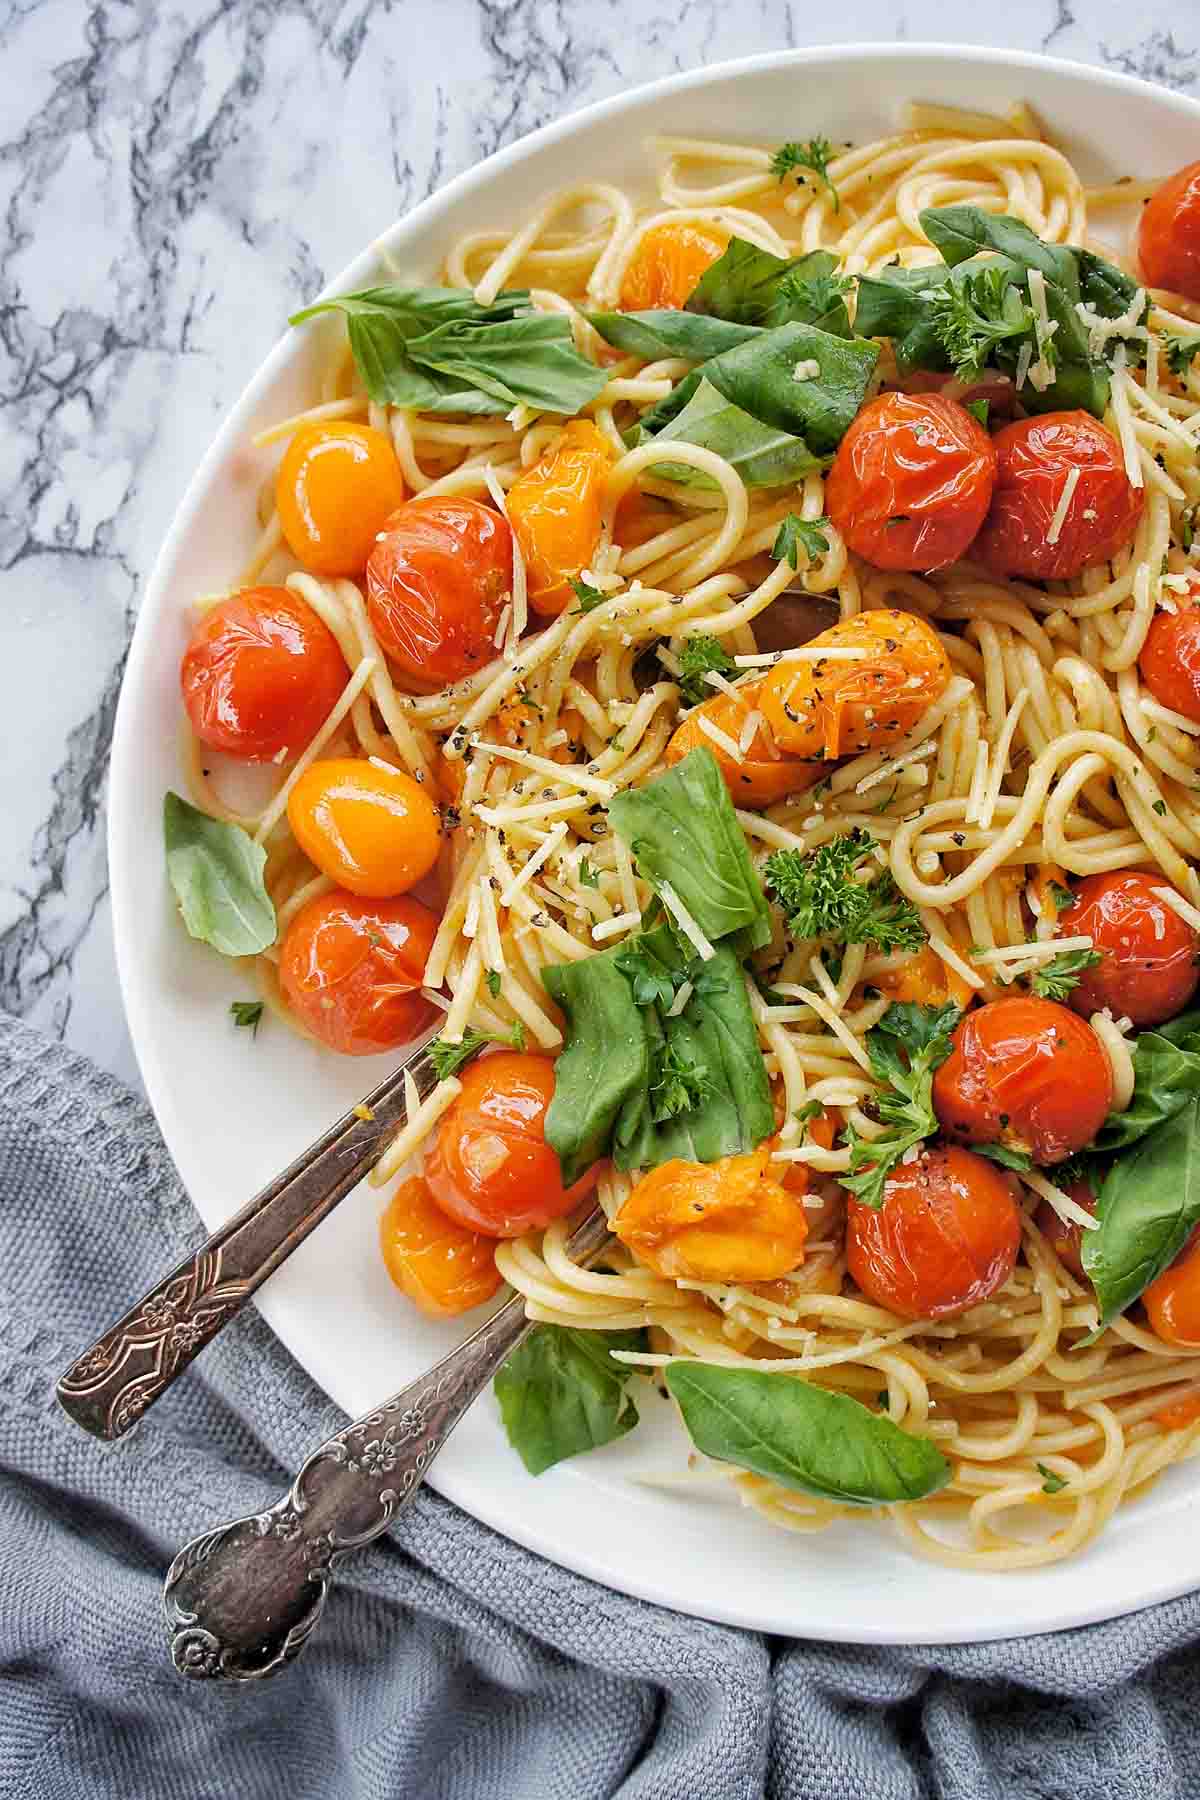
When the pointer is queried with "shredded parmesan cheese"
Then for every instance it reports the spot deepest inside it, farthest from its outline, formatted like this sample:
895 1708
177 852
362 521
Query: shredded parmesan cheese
541 855
681 999
1122 413
683 918
1032 953
721 738
943 948
750 725
1041 372
887 770
619 922
350 693
520 590
1068 1210
568 774
416 1128
1064 502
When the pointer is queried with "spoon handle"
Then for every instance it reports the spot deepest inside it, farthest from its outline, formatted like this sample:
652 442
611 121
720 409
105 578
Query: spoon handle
110 1386
243 1600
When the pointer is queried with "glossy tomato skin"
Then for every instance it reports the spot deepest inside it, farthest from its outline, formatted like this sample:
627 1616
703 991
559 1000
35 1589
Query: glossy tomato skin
1148 972
822 710
1034 458
491 1168
261 674
443 1268
1066 1239
438 580
351 970
1172 1302
945 1238
1024 1072
911 482
373 830
728 1220
1169 663
555 508
668 262
1169 234
336 485
764 775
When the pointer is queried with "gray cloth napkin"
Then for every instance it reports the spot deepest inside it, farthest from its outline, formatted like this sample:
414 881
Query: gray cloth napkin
451 1665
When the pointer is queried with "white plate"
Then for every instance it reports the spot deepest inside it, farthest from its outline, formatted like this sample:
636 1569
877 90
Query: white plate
234 1111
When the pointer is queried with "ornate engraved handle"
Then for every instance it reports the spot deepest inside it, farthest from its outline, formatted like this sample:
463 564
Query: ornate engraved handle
110 1386
244 1599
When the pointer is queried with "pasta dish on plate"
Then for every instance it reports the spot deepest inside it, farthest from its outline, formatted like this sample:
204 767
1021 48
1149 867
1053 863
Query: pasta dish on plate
732 661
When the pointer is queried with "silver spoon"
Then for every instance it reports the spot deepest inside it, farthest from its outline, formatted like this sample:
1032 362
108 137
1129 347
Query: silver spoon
243 1600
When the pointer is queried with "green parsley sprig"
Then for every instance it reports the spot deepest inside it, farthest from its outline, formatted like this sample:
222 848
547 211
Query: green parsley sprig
821 898
247 1014
697 657
1059 977
1180 353
448 1059
795 535
678 1082
973 314
906 1048
816 154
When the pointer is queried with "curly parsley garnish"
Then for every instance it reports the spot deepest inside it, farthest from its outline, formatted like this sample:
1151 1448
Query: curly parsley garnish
589 597
1180 353
247 1014
906 1048
698 657
678 1083
971 316
448 1059
1056 979
816 154
795 535
821 898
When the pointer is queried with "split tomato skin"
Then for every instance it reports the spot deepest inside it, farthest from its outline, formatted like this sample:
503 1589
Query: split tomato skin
1169 234
336 485
372 829
945 1238
1024 1072
261 674
438 579
668 262
911 482
765 774
1169 662
1034 460
490 1167
443 1268
1148 971
728 1220
351 970
555 508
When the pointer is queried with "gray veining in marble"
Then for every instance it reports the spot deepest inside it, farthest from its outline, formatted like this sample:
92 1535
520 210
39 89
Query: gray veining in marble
166 190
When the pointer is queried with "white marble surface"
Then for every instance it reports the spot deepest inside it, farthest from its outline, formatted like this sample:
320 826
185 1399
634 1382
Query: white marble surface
173 177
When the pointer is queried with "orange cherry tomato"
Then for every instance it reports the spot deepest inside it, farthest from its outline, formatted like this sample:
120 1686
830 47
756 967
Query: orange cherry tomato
1169 234
555 510
442 1267
668 262
491 1167
1172 1302
335 487
261 674
1034 458
925 979
764 775
945 1238
372 829
1177 1415
1170 660
722 1221
1149 971
838 708
797 1177
438 580
1065 1239
911 481
351 970
1024 1072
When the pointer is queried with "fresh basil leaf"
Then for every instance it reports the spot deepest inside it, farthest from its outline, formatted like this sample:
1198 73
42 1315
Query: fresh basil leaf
752 287
651 422
682 830
605 1062
894 304
667 331
804 1437
960 232
763 455
529 361
1109 291
1147 1206
1166 1076
796 534
216 870
760 377
1182 1028
561 1393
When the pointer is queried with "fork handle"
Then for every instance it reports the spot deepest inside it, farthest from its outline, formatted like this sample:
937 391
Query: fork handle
110 1386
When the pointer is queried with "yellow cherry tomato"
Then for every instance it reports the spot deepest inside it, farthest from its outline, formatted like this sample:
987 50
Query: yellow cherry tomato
371 829
722 1221
555 509
444 1268
843 706
669 262
335 488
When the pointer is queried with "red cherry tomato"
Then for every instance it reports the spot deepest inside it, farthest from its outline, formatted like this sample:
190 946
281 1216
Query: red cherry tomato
1065 1239
261 675
1169 234
351 970
1024 1072
336 485
1148 972
437 583
1034 458
1172 1301
442 1267
945 1238
1170 660
911 482
491 1167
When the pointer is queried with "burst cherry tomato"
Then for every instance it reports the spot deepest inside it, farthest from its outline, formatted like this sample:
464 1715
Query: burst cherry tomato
945 1238
491 1167
437 582
1170 660
722 1221
1034 459
1173 1301
442 1267
261 675
925 979
351 970
668 263
911 481
555 509
1066 1239
824 709
1169 234
1148 972
373 829
1024 1072
336 486
764 775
